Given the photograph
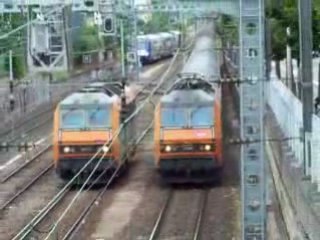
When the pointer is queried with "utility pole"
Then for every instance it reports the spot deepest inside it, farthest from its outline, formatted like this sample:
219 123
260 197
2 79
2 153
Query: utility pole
123 68
305 27
11 96
318 80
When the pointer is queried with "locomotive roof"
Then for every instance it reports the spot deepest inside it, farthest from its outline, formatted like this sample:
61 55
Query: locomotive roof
166 34
187 97
86 99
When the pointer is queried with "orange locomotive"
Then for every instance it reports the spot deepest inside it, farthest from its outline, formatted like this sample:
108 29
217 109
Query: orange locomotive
188 128
83 123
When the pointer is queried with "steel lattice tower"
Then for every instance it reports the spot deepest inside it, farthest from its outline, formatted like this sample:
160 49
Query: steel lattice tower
253 177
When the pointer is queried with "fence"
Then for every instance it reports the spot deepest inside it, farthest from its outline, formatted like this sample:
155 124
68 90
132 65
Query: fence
287 126
288 112
36 91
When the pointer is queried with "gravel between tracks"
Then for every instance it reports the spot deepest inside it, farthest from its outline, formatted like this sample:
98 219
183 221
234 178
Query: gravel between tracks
184 207
221 219
131 210
111 219
13 218
34 200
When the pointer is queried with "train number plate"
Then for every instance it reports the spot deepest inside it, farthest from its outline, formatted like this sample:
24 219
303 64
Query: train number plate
187 148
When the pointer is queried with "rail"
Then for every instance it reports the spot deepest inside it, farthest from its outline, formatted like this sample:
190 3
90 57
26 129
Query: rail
159 221
25 188
164 211
28 228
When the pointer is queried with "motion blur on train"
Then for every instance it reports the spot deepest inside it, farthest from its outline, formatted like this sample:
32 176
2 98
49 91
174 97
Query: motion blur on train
86 122
158 46
187 130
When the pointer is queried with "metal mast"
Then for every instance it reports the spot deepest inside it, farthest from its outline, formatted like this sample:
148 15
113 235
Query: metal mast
133 41
253 183
305 26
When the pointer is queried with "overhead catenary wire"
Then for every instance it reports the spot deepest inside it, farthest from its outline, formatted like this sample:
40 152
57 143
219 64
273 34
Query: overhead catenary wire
156 88
118 168
5 35
25 231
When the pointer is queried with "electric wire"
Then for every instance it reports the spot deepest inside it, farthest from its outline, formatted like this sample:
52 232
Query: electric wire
25 231
118 168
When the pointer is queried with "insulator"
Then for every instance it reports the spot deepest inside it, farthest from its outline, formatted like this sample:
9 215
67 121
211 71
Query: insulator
253 179
11 86
254 229
4 146
11 102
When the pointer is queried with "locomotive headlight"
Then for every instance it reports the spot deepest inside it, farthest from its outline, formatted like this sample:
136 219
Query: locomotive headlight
105 149
66 149
207 147
168 148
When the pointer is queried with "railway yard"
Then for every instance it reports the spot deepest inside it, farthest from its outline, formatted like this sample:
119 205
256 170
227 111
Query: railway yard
36 204
159 120
137 206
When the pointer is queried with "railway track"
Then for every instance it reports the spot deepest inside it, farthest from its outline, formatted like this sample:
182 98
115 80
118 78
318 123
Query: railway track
25 165
43 223
44 226
17 183
189 229
25 187
31 130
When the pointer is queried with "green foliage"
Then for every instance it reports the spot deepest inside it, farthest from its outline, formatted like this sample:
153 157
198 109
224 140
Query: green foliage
88 39
14 42
158 23
288 16
227 28
18 66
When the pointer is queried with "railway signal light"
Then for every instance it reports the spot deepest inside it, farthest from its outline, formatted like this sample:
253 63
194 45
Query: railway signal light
89 3
108 25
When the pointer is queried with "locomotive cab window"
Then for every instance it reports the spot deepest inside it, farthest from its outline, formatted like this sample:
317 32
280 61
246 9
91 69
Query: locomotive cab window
174 117
98 118
201 116
72 119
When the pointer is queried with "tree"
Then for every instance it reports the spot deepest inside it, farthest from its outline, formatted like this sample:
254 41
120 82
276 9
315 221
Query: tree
158 23
282 15
227 28
288 16
88 41
14 42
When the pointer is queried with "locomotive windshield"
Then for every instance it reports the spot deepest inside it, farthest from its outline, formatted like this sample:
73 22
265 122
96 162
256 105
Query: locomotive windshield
200 116
88 118
174 117
98 118
72 118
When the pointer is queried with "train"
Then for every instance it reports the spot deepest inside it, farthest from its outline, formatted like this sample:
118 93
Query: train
188 125
157 46
84 122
